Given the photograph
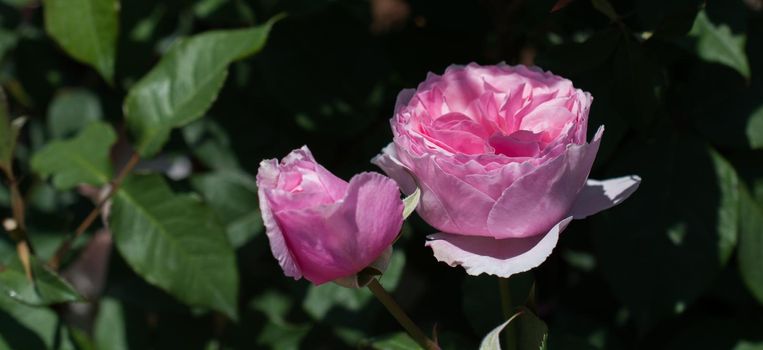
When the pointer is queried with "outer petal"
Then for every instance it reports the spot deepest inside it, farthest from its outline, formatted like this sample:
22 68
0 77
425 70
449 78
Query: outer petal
600 195
278 246
448 203
388 161
339 240
500 257
538 200
403 98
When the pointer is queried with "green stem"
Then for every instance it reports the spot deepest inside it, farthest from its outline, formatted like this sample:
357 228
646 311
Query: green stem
510 333
401 317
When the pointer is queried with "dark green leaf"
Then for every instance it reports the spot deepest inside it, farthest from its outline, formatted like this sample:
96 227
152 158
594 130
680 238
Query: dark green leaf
663 247
183 85
109 329
233 196
83 159
751 243
395 341
532 332
755 128
605 8
531 335
27 327
48 288
86 30
210 143
71 111
176 243
716 43
634 78
278 333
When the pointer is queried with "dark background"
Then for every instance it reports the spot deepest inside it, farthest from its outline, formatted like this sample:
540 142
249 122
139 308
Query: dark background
674 267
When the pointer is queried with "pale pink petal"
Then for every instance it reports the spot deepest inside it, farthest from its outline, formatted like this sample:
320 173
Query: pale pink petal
499 257
600 195
538 200
388 161
403 98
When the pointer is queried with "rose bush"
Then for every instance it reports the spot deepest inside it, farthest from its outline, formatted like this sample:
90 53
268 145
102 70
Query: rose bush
501 157
322 227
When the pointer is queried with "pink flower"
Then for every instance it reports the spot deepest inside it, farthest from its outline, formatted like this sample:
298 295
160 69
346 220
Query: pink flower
322 227
501 157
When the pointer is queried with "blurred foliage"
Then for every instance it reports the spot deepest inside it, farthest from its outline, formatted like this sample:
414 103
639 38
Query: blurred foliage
678 84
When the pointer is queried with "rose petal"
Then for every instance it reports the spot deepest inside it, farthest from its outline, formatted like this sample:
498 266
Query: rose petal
536 201
340 240
448 203
277 241
600 195
499 257
388 161
403 98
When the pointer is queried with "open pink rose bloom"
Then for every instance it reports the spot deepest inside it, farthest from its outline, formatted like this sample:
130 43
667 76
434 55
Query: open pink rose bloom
322 227
502 160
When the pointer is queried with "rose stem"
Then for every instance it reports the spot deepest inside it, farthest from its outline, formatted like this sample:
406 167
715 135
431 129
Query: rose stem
55 261
510 334
400 315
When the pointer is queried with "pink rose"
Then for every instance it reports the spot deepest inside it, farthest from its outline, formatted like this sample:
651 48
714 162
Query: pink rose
501 157
322 227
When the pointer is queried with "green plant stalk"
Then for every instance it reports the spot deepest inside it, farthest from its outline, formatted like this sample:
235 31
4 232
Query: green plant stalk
402 318
510 333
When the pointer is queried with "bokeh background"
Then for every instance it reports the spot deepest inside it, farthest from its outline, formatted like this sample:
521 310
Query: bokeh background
678 85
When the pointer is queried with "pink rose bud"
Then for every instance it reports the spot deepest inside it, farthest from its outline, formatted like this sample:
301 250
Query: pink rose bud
322 227
501 157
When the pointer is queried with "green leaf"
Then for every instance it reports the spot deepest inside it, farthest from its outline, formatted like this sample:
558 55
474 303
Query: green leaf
175 243
728 206
492 340
83 159
751 243
86 30
109 329
48 288
532 332
755 128
183 85
278 333
210 143
605 8
395 341
658 267
27 327
71 111
635 82
233 196
716 43
410 203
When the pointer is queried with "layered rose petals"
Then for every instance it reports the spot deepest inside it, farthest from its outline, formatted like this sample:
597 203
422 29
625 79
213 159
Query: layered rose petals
321 227
501 157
